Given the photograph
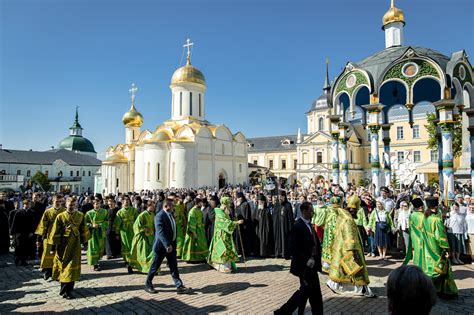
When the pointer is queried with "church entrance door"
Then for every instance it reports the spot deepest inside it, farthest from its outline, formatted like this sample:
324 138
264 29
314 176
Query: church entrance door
221 181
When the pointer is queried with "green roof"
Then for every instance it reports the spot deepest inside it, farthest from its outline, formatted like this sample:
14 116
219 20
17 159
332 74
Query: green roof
77 143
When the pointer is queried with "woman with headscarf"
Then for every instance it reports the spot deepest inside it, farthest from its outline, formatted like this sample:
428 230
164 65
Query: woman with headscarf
222 252
381 223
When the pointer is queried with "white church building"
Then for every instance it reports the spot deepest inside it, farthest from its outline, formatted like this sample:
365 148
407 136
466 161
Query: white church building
186 151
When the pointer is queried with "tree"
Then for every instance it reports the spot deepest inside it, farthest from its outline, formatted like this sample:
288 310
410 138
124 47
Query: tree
41 180
457 134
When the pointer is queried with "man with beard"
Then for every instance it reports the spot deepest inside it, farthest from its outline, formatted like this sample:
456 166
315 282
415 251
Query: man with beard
69 231
22 232
264 228
5 207
97 221
87 205
195 248
283 220
123 224
142 253
243 212
44 230
112 244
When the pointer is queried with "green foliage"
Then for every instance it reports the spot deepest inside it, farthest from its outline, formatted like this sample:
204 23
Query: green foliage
41 180
457 135
394 181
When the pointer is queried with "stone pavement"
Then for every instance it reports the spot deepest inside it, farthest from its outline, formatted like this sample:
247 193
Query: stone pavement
259 288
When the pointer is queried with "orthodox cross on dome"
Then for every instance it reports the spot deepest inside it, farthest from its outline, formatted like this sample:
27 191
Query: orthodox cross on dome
188 46
133 90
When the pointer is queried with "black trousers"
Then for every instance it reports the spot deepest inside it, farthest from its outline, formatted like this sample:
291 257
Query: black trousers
172 263
309 290
66 288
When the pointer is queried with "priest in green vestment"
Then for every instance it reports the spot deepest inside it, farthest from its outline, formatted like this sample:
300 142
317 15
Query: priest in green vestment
97 220
436 251
123 224
326 217
222 251
180 217
345 260
195 247
44 230
69 231
142 253
415 243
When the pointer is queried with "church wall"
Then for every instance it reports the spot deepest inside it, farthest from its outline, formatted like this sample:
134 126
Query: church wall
183 156
225 165
154 154
205 175
204 145
139 169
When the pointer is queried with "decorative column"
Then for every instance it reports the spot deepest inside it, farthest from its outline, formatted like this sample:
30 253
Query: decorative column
334 119
343 128
374 127
387 166
470 115
446 123
440 156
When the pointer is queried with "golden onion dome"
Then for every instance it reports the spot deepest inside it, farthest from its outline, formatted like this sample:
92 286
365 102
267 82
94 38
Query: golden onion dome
188 74
132 118
393 14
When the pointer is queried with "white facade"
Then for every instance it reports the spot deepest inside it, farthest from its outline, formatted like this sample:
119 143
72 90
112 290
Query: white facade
74 178
184 152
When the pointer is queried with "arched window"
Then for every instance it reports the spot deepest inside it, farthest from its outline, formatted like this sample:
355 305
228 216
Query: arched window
305 157
223 149
190 103
148 171
180 103
157 171
321 124
173 171
200 112
351 157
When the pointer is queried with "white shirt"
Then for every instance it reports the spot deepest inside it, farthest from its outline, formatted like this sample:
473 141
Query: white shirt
470 222
382 215
403 217
388 203
456 223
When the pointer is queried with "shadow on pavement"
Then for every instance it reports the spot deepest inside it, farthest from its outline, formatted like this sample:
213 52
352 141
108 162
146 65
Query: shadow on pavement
138 305
228 288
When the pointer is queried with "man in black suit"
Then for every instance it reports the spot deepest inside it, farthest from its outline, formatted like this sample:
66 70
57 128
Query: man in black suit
165 246
305 250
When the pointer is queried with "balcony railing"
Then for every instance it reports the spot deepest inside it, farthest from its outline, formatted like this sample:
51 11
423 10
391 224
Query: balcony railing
12 178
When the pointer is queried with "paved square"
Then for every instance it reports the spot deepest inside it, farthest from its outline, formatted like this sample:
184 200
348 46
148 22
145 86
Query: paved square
259 288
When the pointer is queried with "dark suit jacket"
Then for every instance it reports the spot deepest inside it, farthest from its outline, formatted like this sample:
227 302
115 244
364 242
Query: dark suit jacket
301 245
163 231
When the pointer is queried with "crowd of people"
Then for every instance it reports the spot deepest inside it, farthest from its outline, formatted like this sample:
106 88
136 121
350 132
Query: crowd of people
320 228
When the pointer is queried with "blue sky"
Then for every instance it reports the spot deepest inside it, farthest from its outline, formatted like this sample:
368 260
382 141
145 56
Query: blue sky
263 59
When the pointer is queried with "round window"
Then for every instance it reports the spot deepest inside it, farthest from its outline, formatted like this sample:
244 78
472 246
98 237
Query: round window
351 81
462 72
410 69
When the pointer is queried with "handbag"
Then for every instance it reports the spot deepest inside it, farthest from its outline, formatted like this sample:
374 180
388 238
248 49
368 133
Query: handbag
383 225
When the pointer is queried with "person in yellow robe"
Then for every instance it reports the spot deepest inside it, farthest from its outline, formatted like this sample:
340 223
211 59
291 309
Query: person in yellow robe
69 231
347 269
44 230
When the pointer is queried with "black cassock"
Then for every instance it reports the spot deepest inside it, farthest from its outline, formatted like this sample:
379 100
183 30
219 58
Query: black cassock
5 208
22 231
243 212
283 220
37 211
209 216
265 232
113 246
